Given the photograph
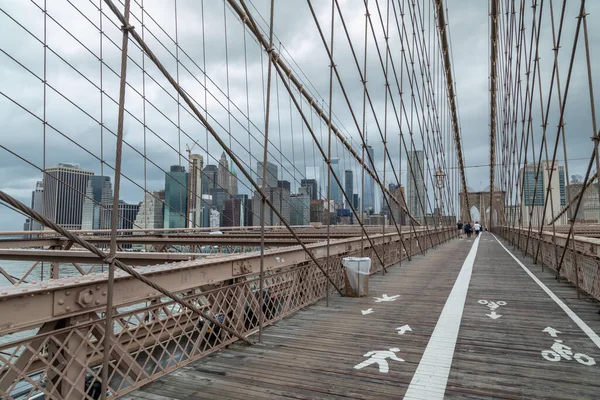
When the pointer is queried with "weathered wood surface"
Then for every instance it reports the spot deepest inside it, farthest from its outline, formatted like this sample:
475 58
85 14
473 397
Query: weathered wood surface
312 354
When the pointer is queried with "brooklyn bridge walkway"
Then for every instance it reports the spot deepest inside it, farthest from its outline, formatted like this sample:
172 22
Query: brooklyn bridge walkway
467 320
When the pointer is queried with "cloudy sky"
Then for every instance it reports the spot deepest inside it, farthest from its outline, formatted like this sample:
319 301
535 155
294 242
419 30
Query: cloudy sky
217 59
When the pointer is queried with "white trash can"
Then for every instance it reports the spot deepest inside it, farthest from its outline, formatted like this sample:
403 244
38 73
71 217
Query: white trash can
356 275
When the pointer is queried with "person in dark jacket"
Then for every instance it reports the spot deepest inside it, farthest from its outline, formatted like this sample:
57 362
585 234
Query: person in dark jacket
468 229
459 225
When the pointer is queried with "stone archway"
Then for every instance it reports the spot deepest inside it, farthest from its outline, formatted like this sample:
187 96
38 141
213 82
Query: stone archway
481 200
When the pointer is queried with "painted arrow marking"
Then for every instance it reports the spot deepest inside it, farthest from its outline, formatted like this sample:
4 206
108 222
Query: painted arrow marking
367 311
403 329
385 297
493 315
551 331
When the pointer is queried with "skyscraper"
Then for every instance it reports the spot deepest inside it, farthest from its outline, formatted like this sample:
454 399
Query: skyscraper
369 181
245 209
150 215
98 195
233 180
416 184
37 203
195 192
349 186
555 187
223 175
299 209
210 178
271 174
336 190
280 198
127 214
311 188
232 212
176 197
64 190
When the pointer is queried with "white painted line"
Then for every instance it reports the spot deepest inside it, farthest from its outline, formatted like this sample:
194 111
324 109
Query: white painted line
584 327
430 380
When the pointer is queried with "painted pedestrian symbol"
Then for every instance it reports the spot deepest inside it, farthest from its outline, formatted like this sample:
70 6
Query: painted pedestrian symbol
559 350
492 305
385 297
380 357
367 311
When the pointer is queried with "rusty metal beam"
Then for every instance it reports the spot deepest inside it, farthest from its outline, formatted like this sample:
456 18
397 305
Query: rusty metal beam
71 256
35 303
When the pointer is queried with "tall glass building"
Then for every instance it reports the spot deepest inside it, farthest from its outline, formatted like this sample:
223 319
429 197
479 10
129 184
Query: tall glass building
98 196
176 183
348 186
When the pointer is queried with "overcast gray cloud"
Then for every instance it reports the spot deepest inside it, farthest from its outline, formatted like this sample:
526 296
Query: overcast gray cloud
81 122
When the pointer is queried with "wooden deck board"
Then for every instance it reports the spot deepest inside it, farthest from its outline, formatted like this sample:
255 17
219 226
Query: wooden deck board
312 354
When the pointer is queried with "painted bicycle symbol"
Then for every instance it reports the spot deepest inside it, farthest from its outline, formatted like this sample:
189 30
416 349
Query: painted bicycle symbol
559 351
492 305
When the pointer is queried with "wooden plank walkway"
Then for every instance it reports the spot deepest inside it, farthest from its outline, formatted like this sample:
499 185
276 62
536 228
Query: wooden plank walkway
313 354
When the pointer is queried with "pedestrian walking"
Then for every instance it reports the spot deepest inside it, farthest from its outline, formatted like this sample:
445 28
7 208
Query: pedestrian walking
459 225
477 228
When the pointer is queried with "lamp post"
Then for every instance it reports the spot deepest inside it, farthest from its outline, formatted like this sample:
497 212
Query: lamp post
439 176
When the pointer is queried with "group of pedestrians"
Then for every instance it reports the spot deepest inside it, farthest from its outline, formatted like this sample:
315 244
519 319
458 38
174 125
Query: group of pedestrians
468 228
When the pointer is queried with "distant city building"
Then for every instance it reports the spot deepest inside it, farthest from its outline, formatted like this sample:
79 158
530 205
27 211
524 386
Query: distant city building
127 214
356 202
396 207
26 228
271 174
175 214
37 203
151 212
299 209
233 180
195 190
206 208
336 190
64 190
349 186
219 195
369 201
318 213
345 217
534 193
232 212
284 185
215 219
223 173
98 195
245 209
210 177
589 210
279 196
416 184
310 185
